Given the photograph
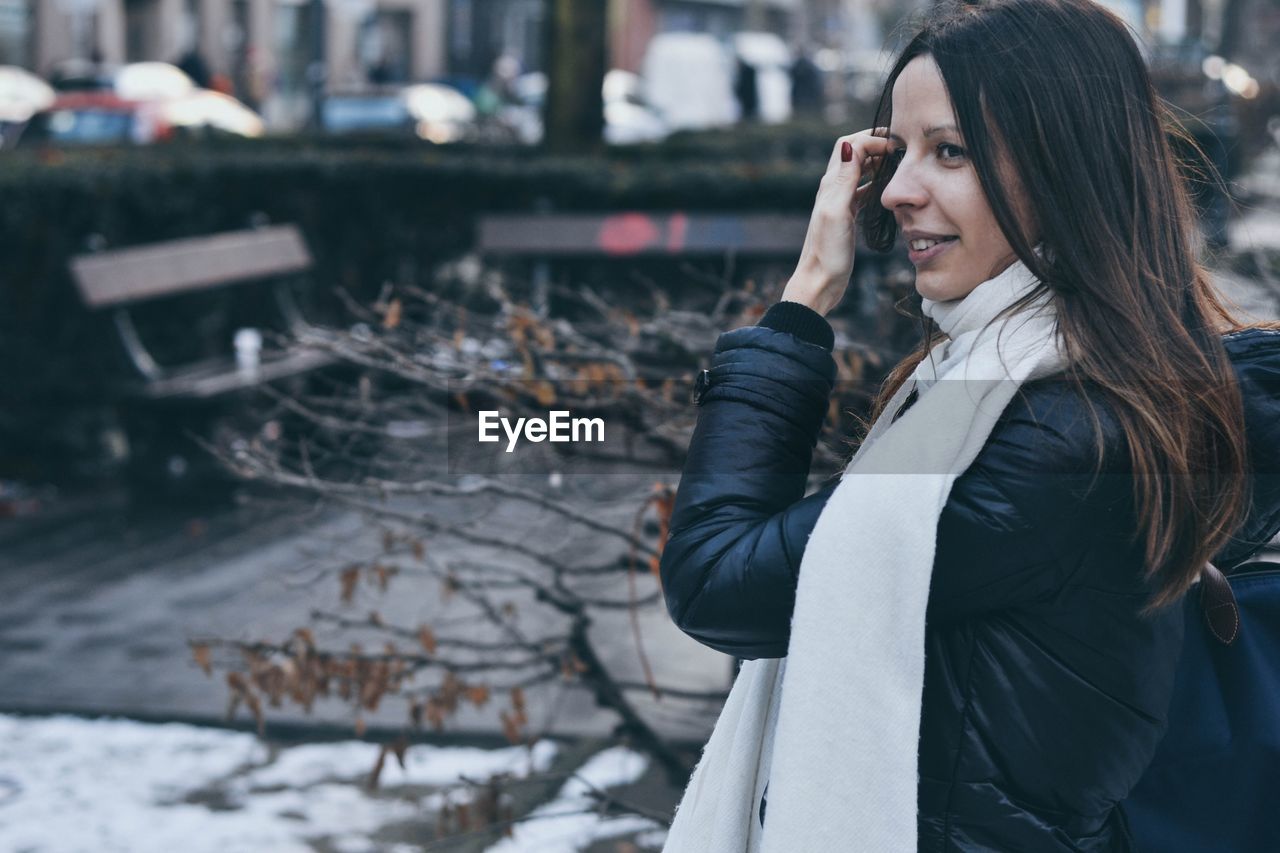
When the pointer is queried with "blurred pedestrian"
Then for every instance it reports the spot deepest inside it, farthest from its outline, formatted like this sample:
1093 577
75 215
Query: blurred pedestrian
746 90
969 639
381 72
193 65
806 86
499 90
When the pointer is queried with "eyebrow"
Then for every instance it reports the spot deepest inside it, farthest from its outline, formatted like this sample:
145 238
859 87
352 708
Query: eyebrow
928 131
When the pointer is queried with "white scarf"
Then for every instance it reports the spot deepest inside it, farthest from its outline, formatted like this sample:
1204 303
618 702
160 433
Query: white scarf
834 727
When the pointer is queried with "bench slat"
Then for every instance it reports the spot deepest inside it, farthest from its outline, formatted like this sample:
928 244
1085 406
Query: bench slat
133 275
631 234
205 381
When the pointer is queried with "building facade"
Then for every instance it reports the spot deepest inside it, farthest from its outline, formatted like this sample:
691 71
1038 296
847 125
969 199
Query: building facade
262 49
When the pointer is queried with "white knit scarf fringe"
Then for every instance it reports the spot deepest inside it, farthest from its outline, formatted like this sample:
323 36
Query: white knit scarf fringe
834 727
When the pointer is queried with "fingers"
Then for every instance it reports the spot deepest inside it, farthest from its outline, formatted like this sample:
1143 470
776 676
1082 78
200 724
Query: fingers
860 147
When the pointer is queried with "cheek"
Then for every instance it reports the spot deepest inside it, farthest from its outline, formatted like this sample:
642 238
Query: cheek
977 223
975 213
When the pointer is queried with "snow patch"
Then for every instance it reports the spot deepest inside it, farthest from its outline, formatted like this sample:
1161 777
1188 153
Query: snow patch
567 822
71 785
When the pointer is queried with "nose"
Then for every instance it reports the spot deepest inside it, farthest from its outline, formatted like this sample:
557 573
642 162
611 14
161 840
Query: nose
904 188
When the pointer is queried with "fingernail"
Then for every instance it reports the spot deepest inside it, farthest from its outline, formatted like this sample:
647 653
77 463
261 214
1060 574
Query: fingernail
846 152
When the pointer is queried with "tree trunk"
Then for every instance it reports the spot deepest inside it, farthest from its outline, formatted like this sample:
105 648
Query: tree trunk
574 118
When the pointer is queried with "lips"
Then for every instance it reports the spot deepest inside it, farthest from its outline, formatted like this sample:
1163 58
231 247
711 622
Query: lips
922 243
922 256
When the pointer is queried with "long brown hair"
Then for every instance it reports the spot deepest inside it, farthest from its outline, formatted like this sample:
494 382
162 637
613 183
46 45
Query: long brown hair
1058 90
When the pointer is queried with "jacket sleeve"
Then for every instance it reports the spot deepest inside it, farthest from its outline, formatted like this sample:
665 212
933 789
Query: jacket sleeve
1016 524
741 519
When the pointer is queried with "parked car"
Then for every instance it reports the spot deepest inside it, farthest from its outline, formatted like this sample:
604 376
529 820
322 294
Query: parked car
105 118
431 111
22 94
151 81
137 104
628 117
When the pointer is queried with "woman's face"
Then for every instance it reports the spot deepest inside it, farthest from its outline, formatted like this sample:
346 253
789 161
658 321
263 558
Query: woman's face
935 195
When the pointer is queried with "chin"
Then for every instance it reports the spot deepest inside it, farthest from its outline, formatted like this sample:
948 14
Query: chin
941 288
929 287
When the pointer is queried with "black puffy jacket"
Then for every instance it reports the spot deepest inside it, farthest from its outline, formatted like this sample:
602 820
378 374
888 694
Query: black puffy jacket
1045 694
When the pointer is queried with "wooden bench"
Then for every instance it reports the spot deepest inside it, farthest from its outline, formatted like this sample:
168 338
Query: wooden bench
121 280
637 236
631 234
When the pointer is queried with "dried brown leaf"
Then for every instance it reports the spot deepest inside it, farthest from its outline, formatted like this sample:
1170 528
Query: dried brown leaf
200 651
435 713
348 578
391 318
478 695
545 393
510 728
427 638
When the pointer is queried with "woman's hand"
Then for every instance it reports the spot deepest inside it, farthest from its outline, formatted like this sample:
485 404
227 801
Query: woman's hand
826 261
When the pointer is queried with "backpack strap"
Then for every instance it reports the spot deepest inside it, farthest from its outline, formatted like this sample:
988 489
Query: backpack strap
1221 613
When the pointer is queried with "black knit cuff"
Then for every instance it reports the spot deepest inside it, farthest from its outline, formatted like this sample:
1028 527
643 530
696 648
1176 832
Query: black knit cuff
802 321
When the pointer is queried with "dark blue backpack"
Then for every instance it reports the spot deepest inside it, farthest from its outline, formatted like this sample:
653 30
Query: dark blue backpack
1214 784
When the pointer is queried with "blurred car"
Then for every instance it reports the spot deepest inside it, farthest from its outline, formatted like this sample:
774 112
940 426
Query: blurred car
135 104
209 112
105 118
431 111
79 73
151 81
22 94
628 118
688 80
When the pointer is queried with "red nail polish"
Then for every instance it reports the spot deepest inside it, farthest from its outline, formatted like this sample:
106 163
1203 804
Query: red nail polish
846 152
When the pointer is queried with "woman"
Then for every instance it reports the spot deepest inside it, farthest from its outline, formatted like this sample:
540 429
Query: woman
968 641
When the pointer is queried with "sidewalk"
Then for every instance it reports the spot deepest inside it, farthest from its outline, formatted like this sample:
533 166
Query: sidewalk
98 601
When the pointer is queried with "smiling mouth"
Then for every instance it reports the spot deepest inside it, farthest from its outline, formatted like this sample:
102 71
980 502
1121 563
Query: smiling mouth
931 249
925 244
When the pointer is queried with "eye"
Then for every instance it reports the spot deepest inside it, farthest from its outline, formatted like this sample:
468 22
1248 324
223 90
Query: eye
950 152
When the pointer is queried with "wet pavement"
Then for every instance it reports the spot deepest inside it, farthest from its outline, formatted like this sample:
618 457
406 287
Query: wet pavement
98 599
